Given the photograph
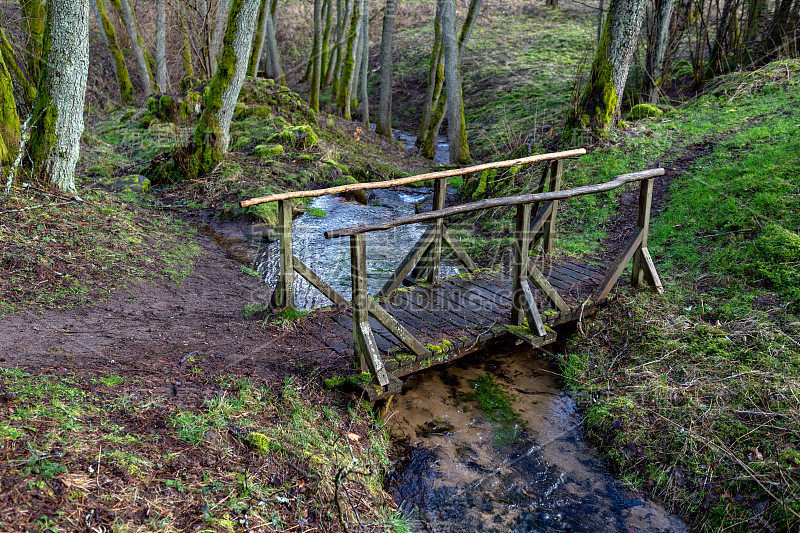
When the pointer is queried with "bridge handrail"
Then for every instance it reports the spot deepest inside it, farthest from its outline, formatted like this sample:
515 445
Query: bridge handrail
505 201
413 179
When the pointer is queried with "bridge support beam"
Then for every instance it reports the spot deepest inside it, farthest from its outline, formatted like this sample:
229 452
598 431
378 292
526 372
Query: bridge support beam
283 295
523 304
643 266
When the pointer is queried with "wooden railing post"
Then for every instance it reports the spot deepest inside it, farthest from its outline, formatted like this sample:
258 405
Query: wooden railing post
643 266
283 295
556 170
523 305
434 260
367 356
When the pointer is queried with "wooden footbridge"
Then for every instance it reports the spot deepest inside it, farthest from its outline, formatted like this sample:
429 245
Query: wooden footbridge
433 321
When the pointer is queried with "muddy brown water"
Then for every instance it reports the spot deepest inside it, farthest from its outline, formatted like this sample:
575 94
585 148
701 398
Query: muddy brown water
454 476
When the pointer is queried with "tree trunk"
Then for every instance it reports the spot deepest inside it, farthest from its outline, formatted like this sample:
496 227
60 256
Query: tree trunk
333 55
316 57
58 115
658 47
26 89
126 93
384 126
365 67
259 39
161 46
146 76
357 59
754 9
435 79
9 121
601 98
219 30
212 133
326 35
186 48
33 14
346 79
452 81
273 58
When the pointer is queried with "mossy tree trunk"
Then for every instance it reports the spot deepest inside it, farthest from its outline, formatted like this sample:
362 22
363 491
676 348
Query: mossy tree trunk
145 74
384 126
58 115
348 64
600 100
357 55
161 46
333 54
33 14
126 92
326 36
658 47
25 88
212 133
316 57
9 121
186 48
435 79
363 91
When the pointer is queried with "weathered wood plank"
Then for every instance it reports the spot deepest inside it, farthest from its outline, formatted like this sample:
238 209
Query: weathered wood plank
650 272
395 328
546 288
549 229
642 221
523 304
435 249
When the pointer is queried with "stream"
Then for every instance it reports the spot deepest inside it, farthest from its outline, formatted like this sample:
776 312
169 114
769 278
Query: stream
460 472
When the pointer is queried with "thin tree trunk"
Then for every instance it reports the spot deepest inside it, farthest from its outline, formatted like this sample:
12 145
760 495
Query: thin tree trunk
186 48
33 14
365 67
161 45
600 100
316 57
326 35
720 48
219 30
212 133
259 39
384 126
655 57
58 115
359 48
273 56
145 75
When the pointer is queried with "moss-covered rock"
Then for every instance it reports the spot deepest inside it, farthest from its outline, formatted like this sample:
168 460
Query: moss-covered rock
268 150
301 137
641 111
132 183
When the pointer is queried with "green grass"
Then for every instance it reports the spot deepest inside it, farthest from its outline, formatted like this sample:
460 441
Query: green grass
693 395
69 447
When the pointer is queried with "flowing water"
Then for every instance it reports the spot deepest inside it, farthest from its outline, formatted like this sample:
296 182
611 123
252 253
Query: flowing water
330 258
532 473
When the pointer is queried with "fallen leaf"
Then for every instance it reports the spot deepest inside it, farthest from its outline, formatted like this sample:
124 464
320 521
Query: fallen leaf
754 455
353 437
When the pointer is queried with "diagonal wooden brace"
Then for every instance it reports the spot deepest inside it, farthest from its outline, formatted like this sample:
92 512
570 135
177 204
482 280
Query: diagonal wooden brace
396 328
373 359
462 255
546 288
409 262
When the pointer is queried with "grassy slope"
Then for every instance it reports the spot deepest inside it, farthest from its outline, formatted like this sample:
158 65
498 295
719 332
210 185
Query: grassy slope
694 396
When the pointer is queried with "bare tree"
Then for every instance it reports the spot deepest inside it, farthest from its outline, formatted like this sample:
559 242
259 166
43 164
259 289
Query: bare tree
126 93
384 126
219 30
658 47
316 57
161 45
58 114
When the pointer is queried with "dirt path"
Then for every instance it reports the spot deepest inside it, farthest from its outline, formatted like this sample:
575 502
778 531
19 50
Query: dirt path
172 335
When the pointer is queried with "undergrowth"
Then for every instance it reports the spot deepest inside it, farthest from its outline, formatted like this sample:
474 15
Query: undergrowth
693 395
